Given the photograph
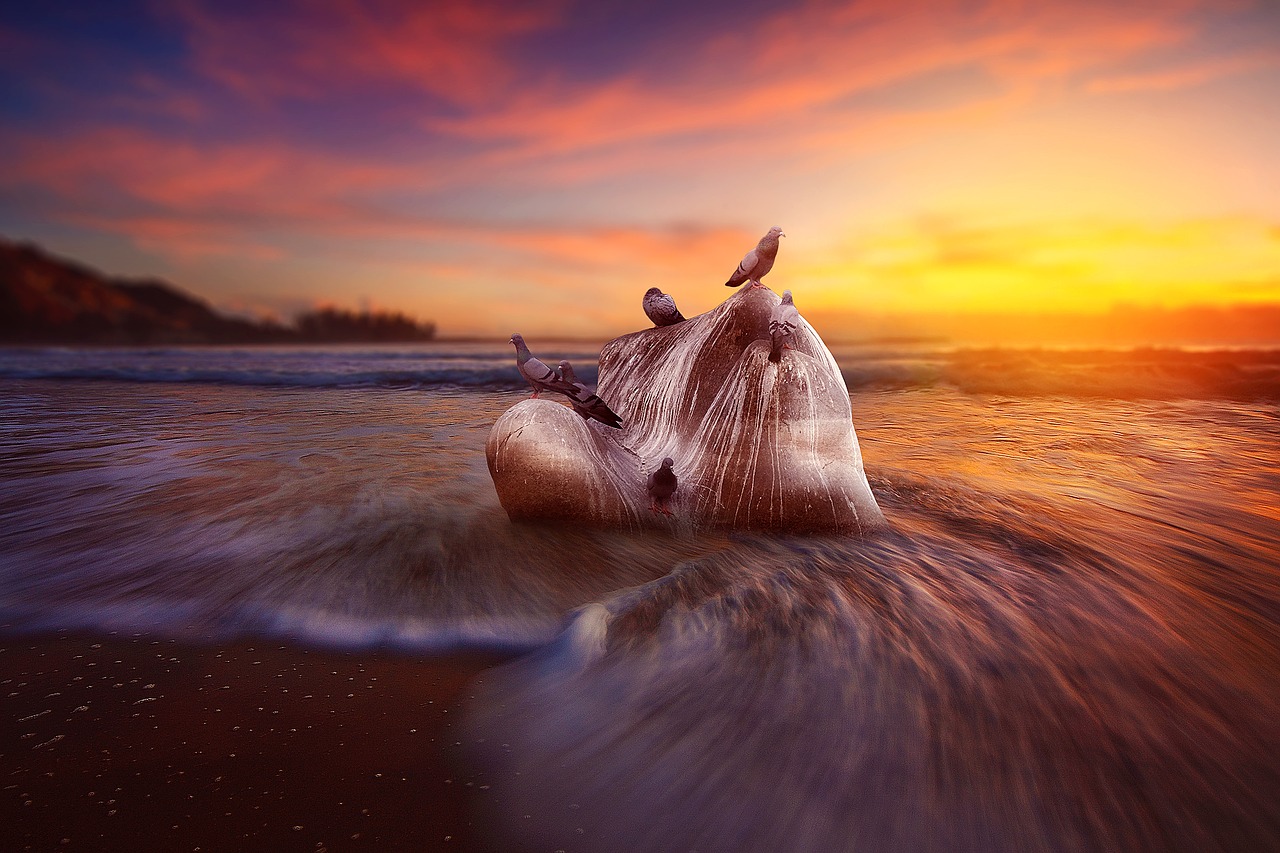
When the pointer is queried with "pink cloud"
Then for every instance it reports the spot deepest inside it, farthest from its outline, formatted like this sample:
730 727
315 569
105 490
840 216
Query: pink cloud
189 200
183 240
786 85
452 50
250 180
797 71
151 95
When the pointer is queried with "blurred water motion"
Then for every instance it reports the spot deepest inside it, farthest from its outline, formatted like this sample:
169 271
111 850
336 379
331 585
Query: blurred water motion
1069 640
1067 643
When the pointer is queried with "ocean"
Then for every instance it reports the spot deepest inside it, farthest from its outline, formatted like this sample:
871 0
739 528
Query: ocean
1068 639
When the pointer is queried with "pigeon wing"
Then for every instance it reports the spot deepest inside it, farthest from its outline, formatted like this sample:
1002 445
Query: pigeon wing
539 375
743 272
782 325
670 310
662 310
588 404
662 484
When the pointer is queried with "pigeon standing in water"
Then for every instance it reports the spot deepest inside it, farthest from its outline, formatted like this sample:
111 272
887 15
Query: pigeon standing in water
758 261
538 375
662 485
782 325
585 401
661 308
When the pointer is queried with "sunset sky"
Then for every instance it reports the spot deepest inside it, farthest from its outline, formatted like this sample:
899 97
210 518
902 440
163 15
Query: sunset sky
536 166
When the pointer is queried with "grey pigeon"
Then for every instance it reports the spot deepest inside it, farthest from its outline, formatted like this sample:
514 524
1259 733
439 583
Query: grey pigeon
538 375
662 485
585 401
782 325
661 308
758 261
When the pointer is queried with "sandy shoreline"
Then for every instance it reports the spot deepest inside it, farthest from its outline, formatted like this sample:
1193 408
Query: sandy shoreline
133 742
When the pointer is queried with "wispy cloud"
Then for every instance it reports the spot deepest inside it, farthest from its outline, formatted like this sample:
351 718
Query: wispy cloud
455 51
1184 76
122 168
794 73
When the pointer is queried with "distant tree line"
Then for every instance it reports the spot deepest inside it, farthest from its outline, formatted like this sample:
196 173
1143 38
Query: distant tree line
335 324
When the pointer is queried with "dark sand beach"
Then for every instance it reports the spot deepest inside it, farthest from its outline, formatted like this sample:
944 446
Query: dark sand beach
135 743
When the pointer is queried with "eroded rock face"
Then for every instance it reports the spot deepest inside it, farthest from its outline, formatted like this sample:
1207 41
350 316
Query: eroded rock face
757 445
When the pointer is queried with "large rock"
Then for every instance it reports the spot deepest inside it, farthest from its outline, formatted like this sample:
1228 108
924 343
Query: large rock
757 445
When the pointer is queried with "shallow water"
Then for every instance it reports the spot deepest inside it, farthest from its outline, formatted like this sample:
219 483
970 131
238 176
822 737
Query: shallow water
1068 640
342 515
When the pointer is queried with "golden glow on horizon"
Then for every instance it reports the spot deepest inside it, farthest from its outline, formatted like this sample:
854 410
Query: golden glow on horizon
955 264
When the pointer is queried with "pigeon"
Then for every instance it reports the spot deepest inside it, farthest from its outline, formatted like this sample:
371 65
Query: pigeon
782 325
585 401
661 308
662 485
538 375
758 261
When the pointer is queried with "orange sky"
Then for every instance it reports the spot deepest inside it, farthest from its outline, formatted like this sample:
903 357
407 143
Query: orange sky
502 166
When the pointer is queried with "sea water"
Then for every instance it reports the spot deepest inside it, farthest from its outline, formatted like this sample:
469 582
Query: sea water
1069 639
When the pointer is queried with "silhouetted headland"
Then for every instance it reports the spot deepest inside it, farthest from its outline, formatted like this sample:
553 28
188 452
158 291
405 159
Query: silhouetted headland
50 300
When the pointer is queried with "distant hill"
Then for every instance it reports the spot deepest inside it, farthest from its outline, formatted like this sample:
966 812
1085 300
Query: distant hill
49 300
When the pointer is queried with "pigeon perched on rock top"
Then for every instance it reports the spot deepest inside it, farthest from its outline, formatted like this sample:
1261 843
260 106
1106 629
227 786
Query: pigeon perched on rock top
662 485
661 308
538 375
758 261
782 325
585 401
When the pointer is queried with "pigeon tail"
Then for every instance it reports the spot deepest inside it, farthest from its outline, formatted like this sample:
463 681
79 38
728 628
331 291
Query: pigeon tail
591 407
585 401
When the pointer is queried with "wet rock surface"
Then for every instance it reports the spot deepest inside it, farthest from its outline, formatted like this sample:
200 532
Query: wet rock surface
756 445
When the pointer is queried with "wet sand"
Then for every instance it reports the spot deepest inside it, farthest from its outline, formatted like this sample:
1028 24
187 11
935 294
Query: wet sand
133 742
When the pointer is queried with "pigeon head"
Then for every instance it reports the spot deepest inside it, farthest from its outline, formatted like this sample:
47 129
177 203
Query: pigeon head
786 297
653 291
566 372
776 232
522 351
668 462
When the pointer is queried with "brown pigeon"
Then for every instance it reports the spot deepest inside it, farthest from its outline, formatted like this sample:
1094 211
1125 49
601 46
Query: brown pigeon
662 485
